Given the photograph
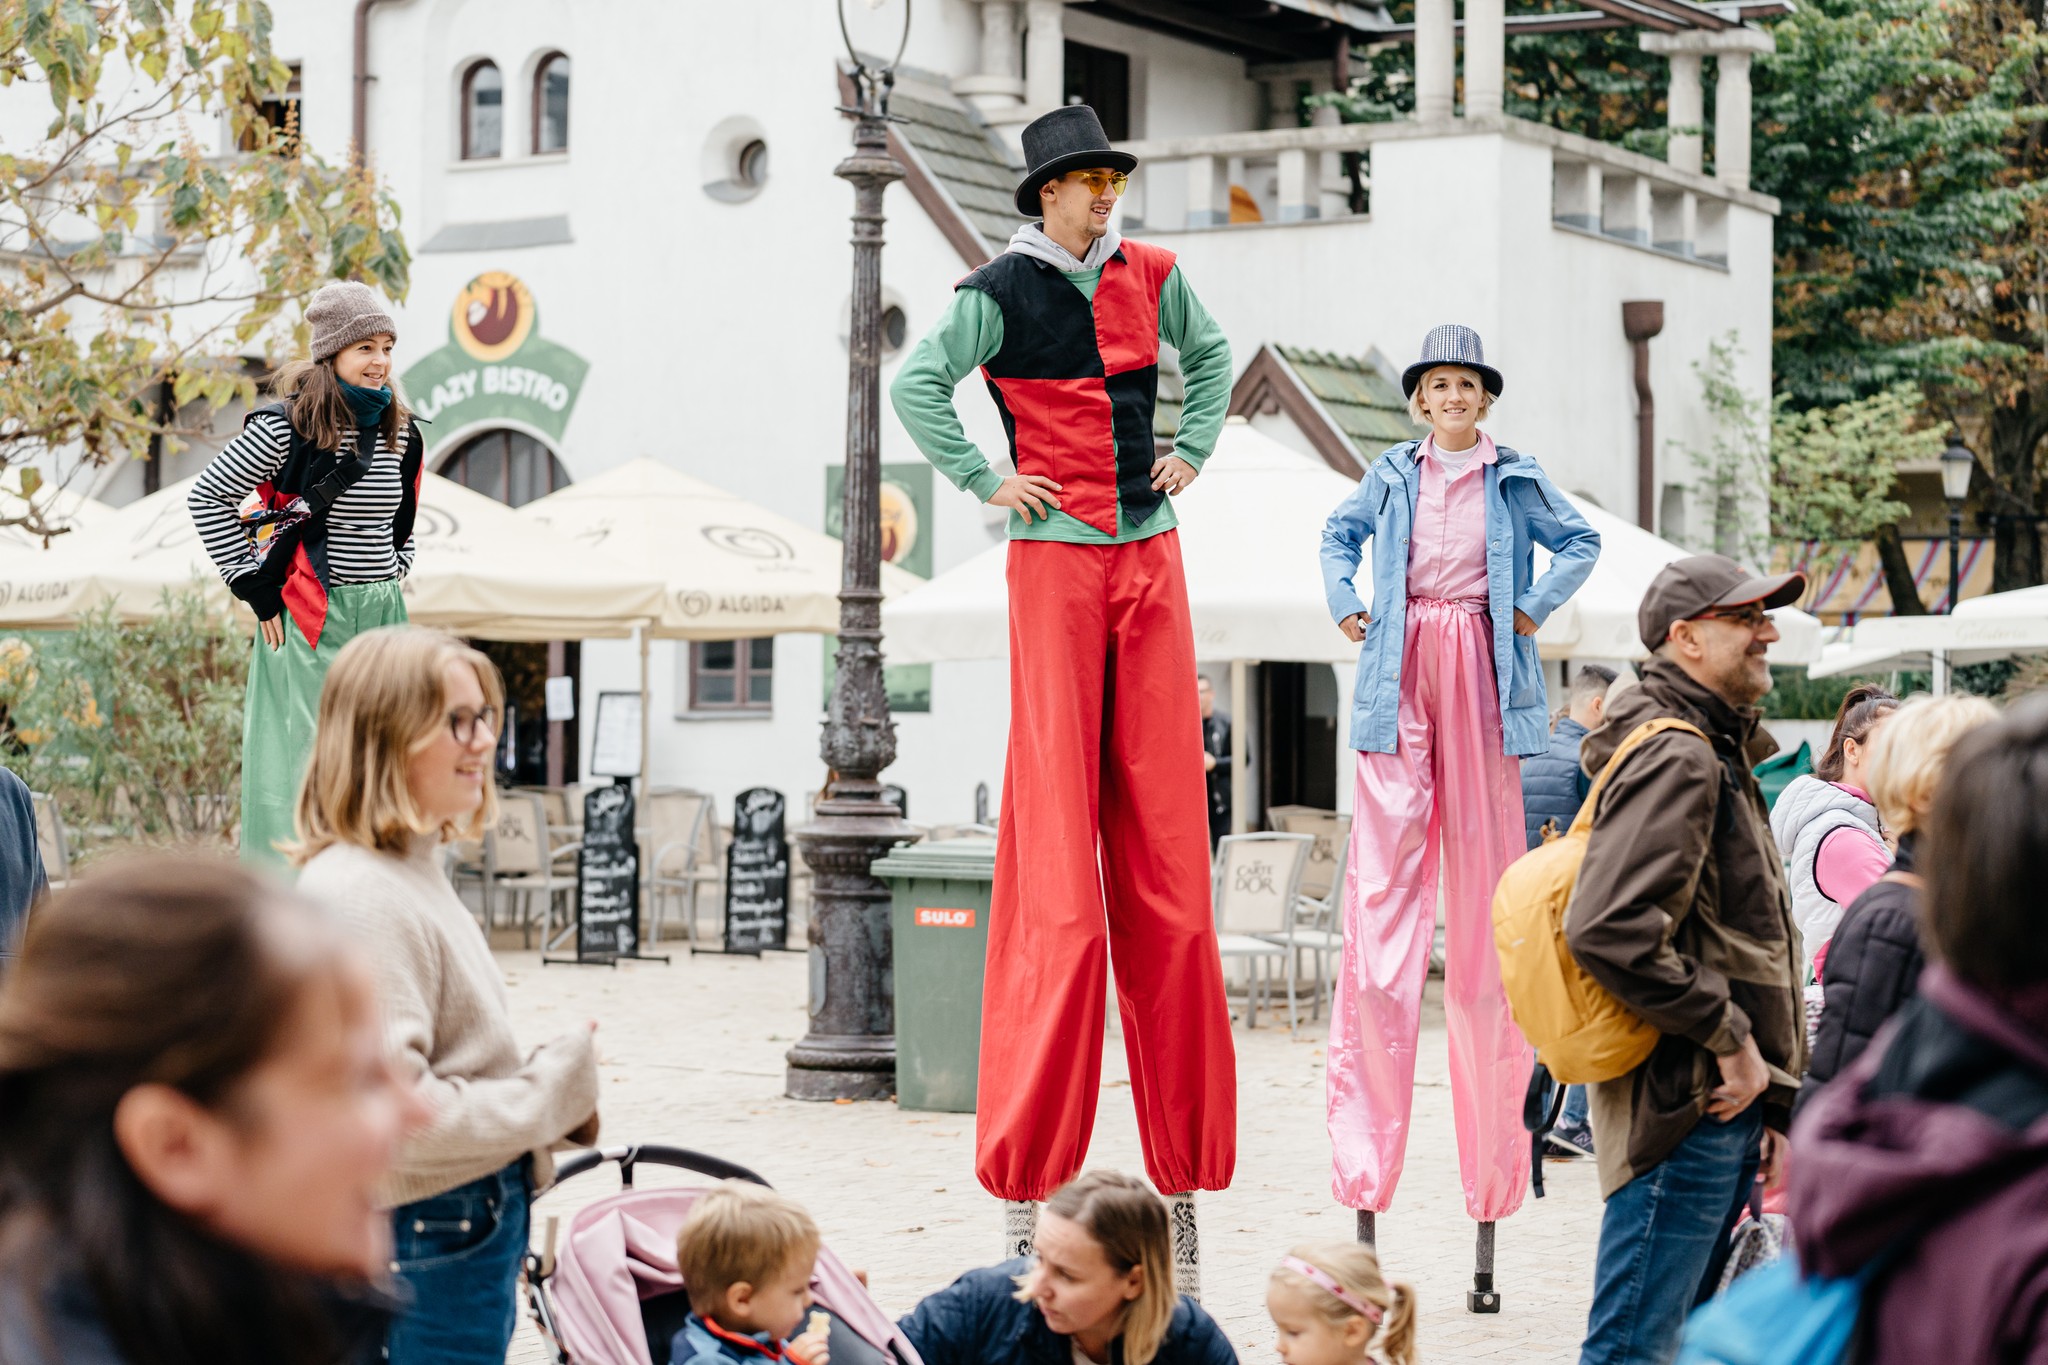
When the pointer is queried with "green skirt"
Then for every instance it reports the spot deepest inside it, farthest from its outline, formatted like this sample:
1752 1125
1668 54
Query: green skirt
284 701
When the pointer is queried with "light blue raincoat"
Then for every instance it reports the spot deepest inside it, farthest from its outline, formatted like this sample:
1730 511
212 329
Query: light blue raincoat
1524 509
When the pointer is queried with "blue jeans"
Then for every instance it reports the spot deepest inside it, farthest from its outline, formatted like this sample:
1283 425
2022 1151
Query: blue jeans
1574 1115
1664 1240
459 1255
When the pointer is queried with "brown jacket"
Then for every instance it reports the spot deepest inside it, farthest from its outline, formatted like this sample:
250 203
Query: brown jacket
1682 911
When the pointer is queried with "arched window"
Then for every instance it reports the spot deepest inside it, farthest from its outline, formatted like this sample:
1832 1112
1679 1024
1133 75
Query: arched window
483 112
507 465
551 104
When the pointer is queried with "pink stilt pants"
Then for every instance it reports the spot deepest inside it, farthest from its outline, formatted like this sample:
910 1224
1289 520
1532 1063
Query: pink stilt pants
1447 781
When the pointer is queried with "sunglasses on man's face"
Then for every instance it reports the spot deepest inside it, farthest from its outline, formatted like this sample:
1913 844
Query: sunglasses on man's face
1750 618
1116 182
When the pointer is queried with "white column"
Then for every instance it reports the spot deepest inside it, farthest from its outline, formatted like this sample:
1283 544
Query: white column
1673 214
1625 207
1300 197
1325 167
1045 55
997 90
1208 192
1486 37
1575 194
1731 119
1687 113
1436 59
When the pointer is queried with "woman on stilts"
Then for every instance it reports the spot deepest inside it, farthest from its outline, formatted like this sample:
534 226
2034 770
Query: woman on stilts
309 516
1450 697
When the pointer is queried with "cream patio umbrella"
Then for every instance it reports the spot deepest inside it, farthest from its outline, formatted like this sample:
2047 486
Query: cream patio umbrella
731 570
479 570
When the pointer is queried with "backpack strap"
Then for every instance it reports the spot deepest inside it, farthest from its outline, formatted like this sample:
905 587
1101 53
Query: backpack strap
1582 823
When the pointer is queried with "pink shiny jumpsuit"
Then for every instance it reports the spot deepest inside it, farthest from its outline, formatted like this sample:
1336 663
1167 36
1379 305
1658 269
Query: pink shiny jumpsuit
1447 786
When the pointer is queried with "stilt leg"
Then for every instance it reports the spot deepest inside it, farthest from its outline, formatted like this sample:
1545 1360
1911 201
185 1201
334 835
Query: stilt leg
1187 1246
1368 1227
1020 1228
1481 1298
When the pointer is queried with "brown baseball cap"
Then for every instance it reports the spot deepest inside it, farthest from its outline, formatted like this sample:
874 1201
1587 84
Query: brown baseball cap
1691 587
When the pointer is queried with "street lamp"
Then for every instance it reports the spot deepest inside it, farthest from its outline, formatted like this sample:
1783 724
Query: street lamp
1957 464
849 1051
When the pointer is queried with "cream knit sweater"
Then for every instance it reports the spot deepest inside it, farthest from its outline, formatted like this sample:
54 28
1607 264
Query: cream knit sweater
449 1026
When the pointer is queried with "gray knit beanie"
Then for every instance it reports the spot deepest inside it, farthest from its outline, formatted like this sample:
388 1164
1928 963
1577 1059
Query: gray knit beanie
343 314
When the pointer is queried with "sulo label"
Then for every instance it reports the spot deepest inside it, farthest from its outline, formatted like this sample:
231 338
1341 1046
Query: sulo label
929 917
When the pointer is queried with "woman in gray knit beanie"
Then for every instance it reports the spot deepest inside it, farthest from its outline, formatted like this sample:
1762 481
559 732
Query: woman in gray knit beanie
308 514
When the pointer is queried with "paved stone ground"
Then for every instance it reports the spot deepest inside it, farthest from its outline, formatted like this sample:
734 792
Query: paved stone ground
693 1055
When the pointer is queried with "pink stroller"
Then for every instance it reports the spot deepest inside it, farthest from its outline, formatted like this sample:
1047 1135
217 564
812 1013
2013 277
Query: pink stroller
613 1297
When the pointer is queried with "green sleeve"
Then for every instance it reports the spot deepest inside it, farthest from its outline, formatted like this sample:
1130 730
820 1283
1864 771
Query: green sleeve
1204 367
964 339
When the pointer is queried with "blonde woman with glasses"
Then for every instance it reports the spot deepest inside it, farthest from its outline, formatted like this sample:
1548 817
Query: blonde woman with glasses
401 761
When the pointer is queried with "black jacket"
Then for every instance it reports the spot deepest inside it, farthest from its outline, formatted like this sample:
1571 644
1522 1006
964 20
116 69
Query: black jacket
1872 967
977 1320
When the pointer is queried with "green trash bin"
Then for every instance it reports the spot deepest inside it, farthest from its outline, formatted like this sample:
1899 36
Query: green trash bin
940 924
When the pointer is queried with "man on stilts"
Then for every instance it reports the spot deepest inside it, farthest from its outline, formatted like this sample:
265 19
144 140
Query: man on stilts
1104 834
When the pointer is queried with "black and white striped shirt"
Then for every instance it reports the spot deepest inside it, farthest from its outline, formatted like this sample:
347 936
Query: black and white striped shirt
359 548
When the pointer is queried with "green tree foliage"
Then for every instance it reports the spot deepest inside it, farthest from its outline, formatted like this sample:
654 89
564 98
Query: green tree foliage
139 253
135 729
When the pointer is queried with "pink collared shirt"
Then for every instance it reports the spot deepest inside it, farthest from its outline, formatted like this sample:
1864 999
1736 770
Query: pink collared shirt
1447 549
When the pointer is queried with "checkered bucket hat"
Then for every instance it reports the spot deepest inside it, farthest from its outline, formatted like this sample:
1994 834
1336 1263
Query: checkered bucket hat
1451 344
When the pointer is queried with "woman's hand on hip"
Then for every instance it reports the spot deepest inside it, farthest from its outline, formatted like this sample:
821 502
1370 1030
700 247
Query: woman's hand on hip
272 631
1524 624
1171 474
1027 493
1354 626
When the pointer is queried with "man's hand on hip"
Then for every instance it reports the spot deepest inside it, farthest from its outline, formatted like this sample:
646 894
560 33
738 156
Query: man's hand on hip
1027 493
1743 1078
1170 474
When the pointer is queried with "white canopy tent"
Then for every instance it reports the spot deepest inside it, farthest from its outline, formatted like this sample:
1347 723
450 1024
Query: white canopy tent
479 570
64 507
1251 531
1982 629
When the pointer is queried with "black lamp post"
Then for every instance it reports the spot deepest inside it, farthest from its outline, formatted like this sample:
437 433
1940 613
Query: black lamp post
1957 464
849 1052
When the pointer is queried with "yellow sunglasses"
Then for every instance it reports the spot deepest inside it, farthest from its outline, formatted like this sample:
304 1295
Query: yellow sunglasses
1116 182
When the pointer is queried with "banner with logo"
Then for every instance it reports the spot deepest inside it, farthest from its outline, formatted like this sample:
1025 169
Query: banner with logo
496 366
906 543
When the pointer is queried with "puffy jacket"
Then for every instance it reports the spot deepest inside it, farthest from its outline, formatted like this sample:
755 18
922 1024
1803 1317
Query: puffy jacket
1873 969
1524 509
1934 1147
977 1319
1807 812
1553 783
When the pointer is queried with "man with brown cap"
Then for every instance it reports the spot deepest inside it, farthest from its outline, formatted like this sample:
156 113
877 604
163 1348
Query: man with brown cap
1682 911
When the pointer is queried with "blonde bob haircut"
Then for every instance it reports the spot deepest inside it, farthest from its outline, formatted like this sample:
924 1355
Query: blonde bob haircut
1910 750
1128 1221
383 702
1419 415
742 1233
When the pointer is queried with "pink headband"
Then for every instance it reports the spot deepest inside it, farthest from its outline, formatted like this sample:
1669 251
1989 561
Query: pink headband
1325 1281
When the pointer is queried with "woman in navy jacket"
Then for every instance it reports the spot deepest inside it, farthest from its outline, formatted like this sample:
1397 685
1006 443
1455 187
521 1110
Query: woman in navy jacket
1101 1286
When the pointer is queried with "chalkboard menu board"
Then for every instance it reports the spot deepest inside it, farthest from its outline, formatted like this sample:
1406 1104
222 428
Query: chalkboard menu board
608 878
757 874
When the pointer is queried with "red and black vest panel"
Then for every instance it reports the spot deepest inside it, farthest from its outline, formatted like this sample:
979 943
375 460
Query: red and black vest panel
1076 380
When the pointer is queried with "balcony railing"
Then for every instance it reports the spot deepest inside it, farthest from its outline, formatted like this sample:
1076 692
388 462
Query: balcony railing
1301 175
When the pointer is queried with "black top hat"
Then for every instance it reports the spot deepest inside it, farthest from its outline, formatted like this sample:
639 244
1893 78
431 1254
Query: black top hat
1451 344
1068 139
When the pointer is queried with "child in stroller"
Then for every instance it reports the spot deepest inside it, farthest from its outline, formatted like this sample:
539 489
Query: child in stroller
614 1295
747 1256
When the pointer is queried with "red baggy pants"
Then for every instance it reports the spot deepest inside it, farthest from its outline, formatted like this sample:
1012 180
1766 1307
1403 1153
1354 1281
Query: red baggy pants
1104 845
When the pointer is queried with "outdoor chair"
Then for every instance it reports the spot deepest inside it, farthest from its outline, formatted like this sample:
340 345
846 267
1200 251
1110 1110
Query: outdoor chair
564 806
679 822
1257 882
52 841
523 865
1318 924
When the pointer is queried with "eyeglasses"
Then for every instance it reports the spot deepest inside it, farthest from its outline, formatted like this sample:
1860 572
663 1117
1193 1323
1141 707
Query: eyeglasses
1116 182
1751 617
462 725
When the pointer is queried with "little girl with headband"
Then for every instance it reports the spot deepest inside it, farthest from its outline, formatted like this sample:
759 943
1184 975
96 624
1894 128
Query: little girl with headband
1331 1306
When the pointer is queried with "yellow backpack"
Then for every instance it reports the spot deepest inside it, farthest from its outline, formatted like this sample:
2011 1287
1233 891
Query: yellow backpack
1579 1030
